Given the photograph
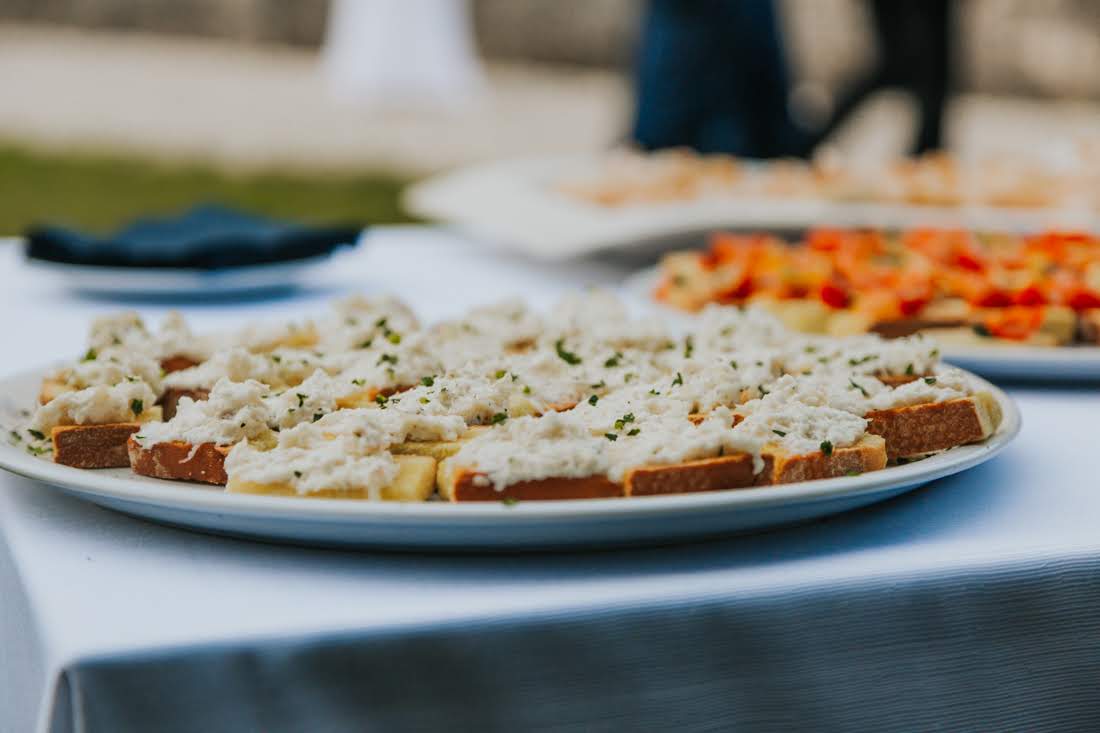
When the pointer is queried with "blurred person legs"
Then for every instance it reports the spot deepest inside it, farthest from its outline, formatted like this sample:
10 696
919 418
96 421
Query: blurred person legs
914 54
391 52
712 76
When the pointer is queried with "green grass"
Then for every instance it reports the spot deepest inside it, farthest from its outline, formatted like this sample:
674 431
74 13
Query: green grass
99 192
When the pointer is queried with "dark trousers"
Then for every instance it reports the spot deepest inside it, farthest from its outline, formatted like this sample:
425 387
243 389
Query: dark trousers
712 76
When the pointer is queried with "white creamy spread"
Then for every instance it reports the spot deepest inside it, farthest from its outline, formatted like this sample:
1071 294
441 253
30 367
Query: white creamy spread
97 405
306 402
944 385
799 428
330 465
109 367
235 411
670 439
235 364
556 445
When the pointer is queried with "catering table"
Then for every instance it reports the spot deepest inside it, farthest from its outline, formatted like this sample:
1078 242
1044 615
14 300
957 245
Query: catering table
970 604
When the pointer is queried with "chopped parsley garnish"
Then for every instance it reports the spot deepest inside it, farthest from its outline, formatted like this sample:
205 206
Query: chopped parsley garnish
393 337
593 400
424 400
733 365
611 436
427 381
499 418
509 501
654 392
90 355
381 399
500 373
16 437
853 472
301 398
624 421
633 431
629 377
678 381
526 389
689 347
852 385
358 382
929 380
981 330
388 358
132 378
909 369
297 474
599 385
763 392
810 349
567 356
317 416
613 361
137 406
365 344
862 360
514 376
827 447
780 433
276 358
36 434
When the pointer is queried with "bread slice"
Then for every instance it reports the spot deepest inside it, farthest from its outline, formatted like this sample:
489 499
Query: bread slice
415 481
709 474
437 449
97 446
172 396
918 430
179 461
780 467
458 483
177 363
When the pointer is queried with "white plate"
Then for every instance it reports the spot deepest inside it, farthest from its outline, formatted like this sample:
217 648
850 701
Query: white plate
1044 363
514 204
496 527
172 282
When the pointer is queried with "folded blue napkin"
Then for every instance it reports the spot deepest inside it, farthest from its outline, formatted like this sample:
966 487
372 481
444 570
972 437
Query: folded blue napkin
206 237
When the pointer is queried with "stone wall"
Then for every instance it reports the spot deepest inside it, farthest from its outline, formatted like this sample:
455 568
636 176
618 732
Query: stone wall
1030 47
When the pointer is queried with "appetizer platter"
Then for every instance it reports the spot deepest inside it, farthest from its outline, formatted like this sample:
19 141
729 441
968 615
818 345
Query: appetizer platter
569 206
1005 305
504 428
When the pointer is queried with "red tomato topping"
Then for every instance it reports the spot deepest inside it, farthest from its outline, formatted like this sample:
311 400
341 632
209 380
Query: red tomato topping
834 296
993 298
1031 295
1082 299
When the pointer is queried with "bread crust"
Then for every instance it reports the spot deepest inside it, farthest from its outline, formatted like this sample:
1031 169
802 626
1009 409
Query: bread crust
710 474
179 461
780 467
928 428
459 484
172 396
92 446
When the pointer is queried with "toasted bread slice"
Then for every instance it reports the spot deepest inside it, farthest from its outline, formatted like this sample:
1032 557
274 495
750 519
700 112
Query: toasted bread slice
710 474
172 396
92 446
1088 326
457 483
917 430
177 363
179 461
780 467
908 326
415 482
437 449
97 446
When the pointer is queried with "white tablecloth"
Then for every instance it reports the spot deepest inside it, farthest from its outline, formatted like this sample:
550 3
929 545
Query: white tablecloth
970 604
